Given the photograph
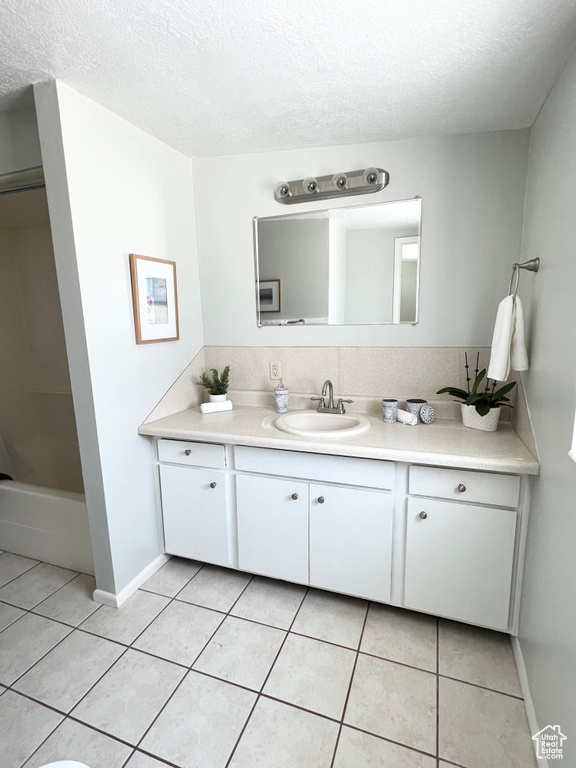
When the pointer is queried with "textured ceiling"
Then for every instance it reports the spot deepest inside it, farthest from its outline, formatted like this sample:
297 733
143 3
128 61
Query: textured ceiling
214 77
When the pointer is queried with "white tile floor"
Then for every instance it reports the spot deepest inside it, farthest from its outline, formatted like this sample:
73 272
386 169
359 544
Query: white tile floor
209 668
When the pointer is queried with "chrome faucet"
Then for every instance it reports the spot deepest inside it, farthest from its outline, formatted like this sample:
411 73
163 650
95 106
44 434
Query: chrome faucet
328 391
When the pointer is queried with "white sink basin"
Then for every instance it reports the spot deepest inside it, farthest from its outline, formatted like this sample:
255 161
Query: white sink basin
323 425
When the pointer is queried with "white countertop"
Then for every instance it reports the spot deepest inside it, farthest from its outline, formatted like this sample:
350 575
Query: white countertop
445 443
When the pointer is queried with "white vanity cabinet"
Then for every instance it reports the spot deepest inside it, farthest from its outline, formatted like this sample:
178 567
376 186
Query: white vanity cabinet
194 500
443 541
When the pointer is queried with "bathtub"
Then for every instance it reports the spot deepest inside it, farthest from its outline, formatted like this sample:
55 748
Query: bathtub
45 524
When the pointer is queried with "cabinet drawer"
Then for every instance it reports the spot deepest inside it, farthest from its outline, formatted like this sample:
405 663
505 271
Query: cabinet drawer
461 485
192 454
370 473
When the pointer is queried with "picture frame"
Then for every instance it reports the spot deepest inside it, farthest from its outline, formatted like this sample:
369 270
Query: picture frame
269 295
154 299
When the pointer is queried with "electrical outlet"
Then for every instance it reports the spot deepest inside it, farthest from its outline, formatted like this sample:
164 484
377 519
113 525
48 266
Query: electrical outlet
275 370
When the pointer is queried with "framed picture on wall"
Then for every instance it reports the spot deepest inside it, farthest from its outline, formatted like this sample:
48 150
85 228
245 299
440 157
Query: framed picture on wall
269 295
154 299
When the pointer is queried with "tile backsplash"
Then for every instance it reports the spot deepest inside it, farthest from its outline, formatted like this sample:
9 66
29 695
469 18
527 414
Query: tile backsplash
378 372
366 374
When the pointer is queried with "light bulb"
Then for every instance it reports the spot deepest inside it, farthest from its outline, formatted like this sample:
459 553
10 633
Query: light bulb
282 189
310 185
371 176
339 181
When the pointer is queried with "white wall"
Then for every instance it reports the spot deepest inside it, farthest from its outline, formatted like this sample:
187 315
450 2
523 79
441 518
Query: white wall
19 144
548 617
114 190
473 192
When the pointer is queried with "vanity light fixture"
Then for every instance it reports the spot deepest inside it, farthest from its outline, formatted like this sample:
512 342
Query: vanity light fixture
362 182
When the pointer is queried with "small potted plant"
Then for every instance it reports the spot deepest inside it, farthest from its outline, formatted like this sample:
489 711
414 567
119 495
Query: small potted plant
480 410
217 384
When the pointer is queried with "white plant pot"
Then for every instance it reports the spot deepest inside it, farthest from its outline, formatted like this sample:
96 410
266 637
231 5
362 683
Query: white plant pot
218 398
471 418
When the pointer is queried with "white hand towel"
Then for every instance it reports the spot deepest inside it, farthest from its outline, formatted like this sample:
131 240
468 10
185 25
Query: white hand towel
518 352
216 407
407 418
508 344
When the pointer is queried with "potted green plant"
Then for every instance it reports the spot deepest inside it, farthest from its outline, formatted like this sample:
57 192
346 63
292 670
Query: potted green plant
480 409
217 384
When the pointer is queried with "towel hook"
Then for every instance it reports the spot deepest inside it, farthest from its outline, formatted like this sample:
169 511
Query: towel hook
533 265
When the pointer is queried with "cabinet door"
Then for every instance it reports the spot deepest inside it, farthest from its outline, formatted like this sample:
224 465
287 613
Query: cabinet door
273 527
459 561
194 513
351 541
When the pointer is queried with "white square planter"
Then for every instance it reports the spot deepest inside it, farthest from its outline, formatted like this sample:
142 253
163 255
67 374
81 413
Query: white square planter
471 418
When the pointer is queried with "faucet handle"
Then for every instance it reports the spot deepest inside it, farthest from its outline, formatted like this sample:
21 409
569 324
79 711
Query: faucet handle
341 402
316 398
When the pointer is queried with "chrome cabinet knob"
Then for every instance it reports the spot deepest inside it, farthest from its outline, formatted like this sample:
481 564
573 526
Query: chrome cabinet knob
294 496
321 499
462 488
423 515
213 484
187 452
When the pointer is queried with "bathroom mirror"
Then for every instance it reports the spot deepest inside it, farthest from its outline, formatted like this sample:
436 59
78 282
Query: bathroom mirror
341 266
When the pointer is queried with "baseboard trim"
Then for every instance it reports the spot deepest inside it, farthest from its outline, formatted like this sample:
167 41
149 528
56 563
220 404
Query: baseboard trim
525 687
115 601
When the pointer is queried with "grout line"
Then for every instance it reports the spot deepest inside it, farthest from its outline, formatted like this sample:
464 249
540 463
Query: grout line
131 644
99 730
161 760
44 740
198 605
391 741
78 574
70 580
39 562
161 710
344 708
37 701
31 667
61 587
260 694
130 756
173 597
80 628
395 661
482 687
65 717
42 562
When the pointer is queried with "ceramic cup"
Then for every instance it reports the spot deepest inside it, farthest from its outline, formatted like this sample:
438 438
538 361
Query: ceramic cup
389 410
414 405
